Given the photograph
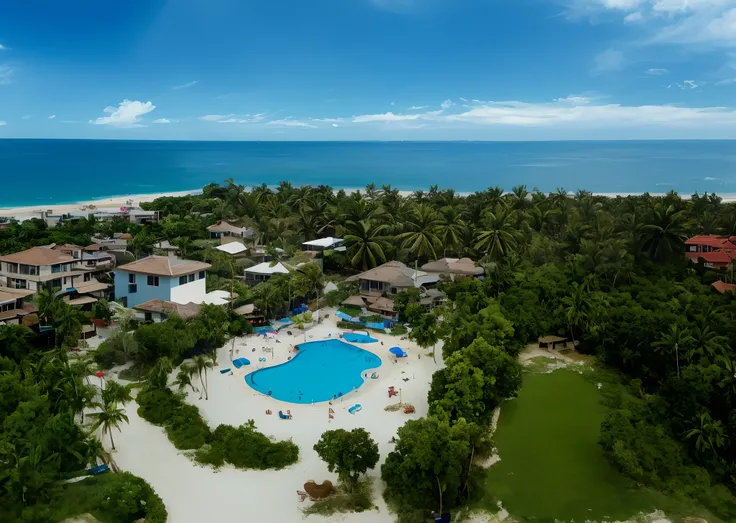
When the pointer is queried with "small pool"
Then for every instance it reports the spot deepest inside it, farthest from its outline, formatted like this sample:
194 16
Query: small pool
356 337
320 371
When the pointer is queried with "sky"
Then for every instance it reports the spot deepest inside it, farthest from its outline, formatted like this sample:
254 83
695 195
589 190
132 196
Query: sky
368 69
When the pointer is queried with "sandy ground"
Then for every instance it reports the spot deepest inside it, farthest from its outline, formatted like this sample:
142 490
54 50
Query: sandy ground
194 493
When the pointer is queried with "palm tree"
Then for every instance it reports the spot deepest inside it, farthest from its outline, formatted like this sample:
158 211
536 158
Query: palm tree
202 364
115 394
663 233
578 308
451 228
674 339
158 376
311 278
47 303
706 341
425 334
268 298
423 229
68 323
184 378
498 235
109 418
708 432
365 243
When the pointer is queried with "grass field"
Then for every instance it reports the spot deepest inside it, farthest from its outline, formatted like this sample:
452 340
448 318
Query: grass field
551 465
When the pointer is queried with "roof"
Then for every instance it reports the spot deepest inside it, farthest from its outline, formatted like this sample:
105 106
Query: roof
464 266
218 298
722 287
164 266
324 242
712 240
354 300
232 248
90 286
67 247
223 226
125 236
165 245
267 268
552 339
8 294
383 304
82 300
92 248
393 272
38 256
186 312
243 310
715 257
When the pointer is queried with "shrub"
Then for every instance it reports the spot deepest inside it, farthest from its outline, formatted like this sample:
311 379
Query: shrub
244 447
157 405
125 499
186 428
107 356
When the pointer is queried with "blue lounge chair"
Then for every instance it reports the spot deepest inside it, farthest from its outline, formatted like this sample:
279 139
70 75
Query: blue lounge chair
285 416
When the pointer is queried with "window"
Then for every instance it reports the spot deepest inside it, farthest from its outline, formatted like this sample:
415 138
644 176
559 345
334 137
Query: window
31 270
153 281
131 278
693 248
182 280
201 275
12 267
191 277
87 276
55 268
708 264
19 284
132 288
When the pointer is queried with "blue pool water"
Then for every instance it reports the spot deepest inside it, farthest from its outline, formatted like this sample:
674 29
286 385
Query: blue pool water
356 337
320 371
262 329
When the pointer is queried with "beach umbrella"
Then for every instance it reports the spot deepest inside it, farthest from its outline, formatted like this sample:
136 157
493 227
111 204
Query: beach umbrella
100 375
396 351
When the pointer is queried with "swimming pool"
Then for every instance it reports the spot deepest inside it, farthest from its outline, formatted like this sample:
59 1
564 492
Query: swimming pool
357 337
320 371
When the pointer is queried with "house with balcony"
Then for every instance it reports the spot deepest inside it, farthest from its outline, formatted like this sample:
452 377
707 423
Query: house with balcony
717 252
38 268
264 271
163 277
94 261
454 268
223 230
13 307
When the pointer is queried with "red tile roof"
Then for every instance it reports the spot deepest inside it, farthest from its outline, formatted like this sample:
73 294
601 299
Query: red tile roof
712 240
716 257
724 287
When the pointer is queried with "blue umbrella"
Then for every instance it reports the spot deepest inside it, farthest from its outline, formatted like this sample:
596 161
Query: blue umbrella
396 351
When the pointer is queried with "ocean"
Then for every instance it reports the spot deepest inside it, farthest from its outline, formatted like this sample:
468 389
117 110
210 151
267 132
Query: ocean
41 172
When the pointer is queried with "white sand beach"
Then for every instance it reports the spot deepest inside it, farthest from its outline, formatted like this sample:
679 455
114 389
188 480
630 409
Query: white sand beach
194 493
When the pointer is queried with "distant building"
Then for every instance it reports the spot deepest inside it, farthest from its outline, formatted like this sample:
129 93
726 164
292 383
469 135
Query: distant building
723 287
263 272
391 278
94 261
717 252
40 267
224 229
12 307
162 277
235 248
323 244
157 310
453 267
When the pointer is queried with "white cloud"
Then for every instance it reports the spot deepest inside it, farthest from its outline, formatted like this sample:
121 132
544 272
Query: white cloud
126 114
709 179
26 117
52 117
215 117
393 103
574 99
416 107
335 125
291 123
609 60
386 117
186 85
633 18
4 48
657 71
447 104
162 120
726 81
328 120
6 74
3 123
463 99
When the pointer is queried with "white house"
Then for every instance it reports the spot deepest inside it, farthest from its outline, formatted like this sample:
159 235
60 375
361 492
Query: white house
263 272
38 268
323 244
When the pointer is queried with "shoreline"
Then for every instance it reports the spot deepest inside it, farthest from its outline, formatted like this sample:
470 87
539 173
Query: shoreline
113 202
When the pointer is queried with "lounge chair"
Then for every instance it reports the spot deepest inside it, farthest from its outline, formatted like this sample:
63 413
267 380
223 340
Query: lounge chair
285 416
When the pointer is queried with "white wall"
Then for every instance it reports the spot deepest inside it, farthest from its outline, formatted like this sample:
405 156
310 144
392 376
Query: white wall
189 292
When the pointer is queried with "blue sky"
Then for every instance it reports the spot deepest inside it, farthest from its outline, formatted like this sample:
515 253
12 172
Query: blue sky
368 69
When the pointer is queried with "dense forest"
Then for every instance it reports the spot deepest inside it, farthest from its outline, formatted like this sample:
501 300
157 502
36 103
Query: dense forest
609 273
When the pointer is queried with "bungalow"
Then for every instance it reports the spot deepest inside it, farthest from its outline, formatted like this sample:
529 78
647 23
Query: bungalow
12 308
157 310
323 244
263 272
162 277
723 287
392 278
717 252
224 229
453 267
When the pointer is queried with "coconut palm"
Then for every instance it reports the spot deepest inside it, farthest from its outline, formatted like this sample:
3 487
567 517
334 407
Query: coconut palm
423 229
311 278
47 303
68 323
184 378
115 394
662 235
108 419
268 298
497 236
578 307
451 228
365 243
202 364
708 433
674 340
158 376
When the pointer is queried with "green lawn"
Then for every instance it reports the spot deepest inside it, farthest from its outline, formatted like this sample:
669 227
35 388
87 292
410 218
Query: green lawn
551 465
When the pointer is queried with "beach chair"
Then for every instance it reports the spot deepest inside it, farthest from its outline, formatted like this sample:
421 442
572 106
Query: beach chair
285 416
302 495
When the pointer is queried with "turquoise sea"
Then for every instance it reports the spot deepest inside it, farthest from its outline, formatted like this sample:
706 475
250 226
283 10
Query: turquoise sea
62 171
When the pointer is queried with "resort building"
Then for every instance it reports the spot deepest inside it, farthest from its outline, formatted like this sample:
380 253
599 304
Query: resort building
717 252
453 267
223 229
94 261
263 272
12 308
162 277
723 287
40 267
118 243
391 278
157 310
323 244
